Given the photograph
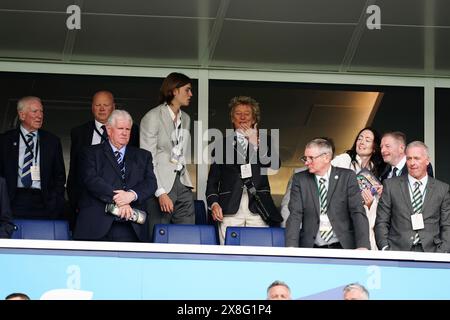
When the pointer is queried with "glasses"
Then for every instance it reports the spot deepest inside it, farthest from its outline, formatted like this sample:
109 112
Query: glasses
311 159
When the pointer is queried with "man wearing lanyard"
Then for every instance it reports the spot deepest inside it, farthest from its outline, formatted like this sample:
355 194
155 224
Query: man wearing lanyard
91 133
414 210
165 133
238 189
326 201
33 165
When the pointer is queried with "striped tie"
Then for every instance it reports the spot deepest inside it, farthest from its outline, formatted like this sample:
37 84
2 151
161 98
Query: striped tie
243 143
326 235
417 206
121 163
28 161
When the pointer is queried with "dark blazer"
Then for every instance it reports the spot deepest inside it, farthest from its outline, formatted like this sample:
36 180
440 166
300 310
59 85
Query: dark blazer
51 162
81 137
225 185
404 171
345 210
100 175
393 223
6 226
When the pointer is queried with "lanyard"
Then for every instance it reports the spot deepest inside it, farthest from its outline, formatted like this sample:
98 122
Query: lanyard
178 133
102 138
29 148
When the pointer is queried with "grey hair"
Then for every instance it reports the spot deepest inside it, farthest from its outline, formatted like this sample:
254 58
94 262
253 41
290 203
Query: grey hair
248 101
22 103
356 286
418 144
119 114
324 145
278 283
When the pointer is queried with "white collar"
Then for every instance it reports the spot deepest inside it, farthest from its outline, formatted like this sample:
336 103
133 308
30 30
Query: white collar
400 165
99 125
326 176
172 114
413 180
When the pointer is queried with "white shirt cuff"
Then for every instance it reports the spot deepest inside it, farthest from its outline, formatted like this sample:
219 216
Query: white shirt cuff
159 192
135 194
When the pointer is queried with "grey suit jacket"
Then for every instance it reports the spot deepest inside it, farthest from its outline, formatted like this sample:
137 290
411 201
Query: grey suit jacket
155 136
393 223
345 210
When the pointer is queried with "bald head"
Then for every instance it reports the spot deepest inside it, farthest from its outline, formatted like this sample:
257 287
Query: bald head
102 105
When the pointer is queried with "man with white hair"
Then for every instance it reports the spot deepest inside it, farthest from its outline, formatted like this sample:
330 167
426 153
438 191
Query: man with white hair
31 161
114 173
414 210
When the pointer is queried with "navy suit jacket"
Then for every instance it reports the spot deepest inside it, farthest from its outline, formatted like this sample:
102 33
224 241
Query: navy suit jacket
51 163
6 226
100 175
81 137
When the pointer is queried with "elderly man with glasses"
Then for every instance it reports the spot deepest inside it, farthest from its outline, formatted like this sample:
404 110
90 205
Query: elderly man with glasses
327 203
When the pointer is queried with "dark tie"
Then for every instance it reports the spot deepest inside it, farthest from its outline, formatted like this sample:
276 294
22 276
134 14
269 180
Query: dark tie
394 172
121 163
104 134
27 161
417 206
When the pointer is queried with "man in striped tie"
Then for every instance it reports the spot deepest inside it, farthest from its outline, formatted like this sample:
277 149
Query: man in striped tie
32 163
114 173
414 210
326 202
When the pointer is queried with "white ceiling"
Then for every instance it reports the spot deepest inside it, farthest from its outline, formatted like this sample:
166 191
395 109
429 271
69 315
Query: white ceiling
283 35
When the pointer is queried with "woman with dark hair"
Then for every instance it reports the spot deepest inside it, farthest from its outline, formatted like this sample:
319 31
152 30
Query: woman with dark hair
165 133
365 154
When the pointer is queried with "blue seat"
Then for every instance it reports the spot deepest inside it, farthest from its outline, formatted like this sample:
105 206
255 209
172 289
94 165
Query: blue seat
184 233
200 212
255 236
41 229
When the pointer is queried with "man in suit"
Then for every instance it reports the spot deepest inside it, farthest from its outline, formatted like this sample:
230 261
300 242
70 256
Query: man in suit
31 160
6 226
90 133
165 133
327 202
114 173
238 190
414 209
393 146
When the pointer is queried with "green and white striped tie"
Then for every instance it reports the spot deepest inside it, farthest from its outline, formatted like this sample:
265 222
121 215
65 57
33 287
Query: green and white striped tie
417 206
325 235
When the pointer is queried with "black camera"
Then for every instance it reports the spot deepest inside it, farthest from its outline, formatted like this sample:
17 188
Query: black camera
248 182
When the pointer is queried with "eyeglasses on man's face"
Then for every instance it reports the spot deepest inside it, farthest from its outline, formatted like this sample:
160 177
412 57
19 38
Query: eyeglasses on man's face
311 159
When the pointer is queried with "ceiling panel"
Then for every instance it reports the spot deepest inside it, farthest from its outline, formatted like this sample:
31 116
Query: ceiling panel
442 13
442 44
40 5
35 36
390 49
271 43
320 11
143 39
409 12
186 8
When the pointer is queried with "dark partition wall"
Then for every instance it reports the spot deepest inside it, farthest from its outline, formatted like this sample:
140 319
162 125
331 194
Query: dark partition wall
442 134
